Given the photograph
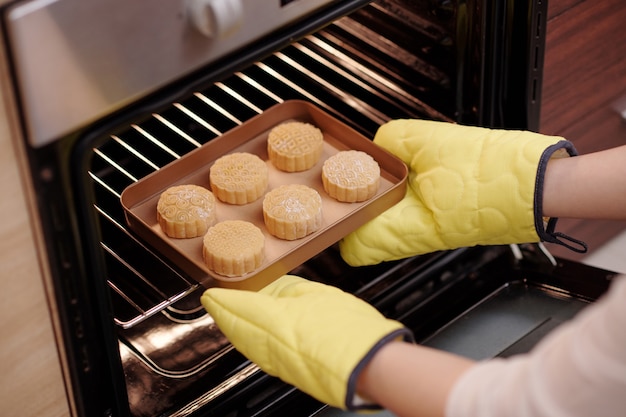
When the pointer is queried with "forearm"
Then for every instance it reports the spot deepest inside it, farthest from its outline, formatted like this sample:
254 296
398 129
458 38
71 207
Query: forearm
587 186
411 380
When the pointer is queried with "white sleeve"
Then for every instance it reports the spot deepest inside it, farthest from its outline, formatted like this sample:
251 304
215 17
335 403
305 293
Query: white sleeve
579 370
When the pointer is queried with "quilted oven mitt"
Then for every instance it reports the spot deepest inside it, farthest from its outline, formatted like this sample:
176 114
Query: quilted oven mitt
467 186
313 336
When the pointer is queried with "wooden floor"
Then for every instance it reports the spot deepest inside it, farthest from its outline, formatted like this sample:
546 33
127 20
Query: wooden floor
584 77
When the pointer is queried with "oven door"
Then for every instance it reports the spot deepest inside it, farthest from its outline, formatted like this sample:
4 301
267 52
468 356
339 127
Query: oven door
484 303
137 340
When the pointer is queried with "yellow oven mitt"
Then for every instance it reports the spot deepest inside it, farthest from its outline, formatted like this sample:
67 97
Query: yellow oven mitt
467 186
313 336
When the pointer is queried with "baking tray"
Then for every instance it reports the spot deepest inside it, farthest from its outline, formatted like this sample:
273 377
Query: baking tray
281 256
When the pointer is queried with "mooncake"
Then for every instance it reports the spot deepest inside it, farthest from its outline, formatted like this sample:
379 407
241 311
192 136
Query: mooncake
233 248
186 211
295 146
351 176
292 211
239 178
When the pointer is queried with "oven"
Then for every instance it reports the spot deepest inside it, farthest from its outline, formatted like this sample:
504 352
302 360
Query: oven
109 92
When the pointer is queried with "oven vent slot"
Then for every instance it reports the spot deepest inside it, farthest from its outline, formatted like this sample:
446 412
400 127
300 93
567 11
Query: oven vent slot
348 69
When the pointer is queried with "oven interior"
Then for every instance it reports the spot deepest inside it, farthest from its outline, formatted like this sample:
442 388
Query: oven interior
137 334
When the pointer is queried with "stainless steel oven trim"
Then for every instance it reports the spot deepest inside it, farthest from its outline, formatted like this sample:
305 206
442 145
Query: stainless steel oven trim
79 60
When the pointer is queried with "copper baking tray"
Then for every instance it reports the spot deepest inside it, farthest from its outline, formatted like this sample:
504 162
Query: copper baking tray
339 219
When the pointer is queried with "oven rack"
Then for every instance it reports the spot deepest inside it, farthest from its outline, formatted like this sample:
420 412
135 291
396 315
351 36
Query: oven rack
340 69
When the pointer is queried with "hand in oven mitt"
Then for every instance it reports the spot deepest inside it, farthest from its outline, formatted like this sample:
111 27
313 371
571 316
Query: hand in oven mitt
313 336
467 186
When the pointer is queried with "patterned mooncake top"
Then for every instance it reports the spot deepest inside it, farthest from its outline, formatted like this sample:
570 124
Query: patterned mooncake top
233 239
239 178
293 202
185 203
351 169
233 248
295 139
